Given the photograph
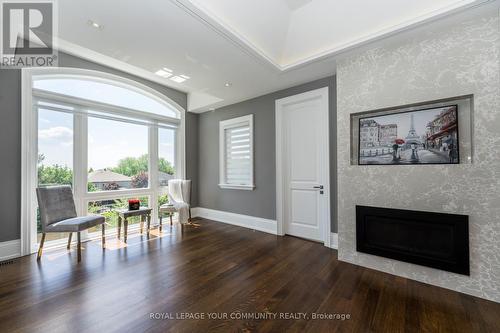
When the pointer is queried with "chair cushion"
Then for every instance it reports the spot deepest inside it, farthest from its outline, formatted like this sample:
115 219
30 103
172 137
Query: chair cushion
56 204
76 224
166 208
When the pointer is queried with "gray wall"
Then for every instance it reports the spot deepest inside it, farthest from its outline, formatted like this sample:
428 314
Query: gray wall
452 57
10 150
262 201
10 138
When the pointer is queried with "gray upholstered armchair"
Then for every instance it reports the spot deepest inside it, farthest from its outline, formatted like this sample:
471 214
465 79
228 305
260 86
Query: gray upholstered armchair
58 214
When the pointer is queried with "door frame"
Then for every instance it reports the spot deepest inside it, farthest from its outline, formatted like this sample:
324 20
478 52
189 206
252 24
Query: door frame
322 94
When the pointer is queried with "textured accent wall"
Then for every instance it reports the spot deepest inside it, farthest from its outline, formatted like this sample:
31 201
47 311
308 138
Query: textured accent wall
452 57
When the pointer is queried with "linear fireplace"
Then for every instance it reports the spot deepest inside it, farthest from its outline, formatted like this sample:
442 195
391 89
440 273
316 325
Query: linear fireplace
430 239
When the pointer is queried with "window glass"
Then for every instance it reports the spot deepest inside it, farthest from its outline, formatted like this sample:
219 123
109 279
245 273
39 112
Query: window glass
166 154
105 93
108 208
55 154
117 155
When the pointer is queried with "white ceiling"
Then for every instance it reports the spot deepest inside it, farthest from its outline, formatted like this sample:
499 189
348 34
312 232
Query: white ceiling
258 46
292 32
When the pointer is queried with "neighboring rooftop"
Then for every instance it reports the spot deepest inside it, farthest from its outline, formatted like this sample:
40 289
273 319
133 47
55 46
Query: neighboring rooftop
107 176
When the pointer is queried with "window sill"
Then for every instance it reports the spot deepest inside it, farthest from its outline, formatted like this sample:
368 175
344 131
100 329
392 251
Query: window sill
237 187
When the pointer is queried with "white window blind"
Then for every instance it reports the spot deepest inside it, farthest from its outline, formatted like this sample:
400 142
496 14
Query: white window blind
238 155
236 136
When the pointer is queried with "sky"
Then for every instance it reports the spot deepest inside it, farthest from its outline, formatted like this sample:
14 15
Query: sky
421 119
105 93
109 141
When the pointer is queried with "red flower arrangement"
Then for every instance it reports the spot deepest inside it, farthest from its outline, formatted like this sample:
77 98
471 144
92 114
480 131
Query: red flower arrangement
134 204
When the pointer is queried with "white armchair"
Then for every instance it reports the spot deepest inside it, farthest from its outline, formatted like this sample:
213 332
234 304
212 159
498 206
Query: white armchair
179 196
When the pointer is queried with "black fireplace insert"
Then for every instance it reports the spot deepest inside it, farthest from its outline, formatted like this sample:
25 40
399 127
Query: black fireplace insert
424 238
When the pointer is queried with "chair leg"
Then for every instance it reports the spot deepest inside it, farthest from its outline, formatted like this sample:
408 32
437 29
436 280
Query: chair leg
69 240
79 247
160 222
40 249
104 235
190 220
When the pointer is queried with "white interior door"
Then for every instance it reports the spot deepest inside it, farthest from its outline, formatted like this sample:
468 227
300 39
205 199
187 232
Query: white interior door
304 154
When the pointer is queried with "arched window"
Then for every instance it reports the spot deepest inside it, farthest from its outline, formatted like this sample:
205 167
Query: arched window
108 137
105 91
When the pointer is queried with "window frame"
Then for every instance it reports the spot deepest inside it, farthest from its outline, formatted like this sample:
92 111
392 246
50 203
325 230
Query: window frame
29 149
226 124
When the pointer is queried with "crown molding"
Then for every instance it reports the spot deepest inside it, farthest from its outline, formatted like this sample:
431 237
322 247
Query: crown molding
214 22
387 32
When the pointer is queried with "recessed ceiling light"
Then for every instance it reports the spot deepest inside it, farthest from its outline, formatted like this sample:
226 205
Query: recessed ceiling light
177 79
94 24
211 109
162 73
167 69
185 76
228 84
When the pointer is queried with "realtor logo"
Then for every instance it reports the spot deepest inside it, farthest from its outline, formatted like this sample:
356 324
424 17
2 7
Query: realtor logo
28 33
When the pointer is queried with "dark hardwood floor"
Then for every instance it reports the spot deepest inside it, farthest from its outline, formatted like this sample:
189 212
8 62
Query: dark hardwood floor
228 271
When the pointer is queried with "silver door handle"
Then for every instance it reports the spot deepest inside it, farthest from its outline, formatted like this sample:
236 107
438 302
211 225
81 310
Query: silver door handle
319 187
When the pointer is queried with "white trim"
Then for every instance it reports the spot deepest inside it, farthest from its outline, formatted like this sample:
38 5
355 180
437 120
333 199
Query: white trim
211 20
28 164
223 125
180 152
246 221
321 93
237 187
217 25
80 157
10 249
334 240
80 163
153 151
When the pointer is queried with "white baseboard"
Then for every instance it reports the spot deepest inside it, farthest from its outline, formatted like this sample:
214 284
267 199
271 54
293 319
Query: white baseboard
246 221
334 241
10 249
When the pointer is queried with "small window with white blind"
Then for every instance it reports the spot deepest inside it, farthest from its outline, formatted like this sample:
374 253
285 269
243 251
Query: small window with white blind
236 153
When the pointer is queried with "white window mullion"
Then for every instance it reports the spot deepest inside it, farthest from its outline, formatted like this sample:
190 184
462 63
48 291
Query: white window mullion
80 143
153 171
180 150
80 161
30 244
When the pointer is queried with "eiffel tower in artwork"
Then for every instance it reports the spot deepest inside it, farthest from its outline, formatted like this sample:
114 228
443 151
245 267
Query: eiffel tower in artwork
412 136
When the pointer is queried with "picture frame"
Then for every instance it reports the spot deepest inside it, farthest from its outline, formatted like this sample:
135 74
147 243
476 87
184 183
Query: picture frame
428 135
